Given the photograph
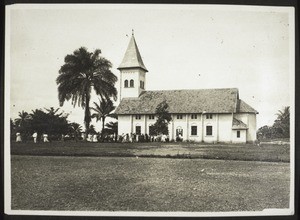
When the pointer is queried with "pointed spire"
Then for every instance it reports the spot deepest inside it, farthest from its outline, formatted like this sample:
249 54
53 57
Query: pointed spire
132 57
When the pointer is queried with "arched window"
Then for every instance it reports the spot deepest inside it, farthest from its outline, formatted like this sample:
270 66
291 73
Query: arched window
131 83
126 83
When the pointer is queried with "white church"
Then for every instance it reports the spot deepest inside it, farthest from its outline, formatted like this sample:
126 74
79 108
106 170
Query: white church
202 115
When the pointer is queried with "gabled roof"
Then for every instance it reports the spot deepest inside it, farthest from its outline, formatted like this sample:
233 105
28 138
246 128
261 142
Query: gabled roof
182 101
238 124
132 57
243 107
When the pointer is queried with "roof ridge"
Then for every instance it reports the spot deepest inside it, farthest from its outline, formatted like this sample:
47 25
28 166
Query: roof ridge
166 90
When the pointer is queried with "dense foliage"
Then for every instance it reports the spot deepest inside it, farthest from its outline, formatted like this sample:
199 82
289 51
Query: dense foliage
280 127
163 119
49 121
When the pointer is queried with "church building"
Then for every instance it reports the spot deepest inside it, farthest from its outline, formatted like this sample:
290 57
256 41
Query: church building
202 115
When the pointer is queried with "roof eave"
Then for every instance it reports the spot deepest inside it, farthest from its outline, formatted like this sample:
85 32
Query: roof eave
132 67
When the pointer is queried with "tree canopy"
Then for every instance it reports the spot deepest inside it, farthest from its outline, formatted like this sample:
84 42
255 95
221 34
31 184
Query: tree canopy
82 72
163 119
280 127
102 110
51 121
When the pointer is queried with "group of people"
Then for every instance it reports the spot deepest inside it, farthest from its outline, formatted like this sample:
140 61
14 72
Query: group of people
132 137
44 137
129 138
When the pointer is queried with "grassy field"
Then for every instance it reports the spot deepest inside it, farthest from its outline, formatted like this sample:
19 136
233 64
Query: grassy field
245 152
146 184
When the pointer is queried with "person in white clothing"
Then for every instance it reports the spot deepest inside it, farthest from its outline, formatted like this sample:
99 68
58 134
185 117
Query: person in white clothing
18 137
34 136
45 138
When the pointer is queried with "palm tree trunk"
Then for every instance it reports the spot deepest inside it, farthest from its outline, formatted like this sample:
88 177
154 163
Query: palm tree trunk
87 114
102 132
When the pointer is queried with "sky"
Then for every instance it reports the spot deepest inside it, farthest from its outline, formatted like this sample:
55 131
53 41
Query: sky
182 46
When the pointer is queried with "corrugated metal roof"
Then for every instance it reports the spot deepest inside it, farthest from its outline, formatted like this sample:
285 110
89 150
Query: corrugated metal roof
132 57
182 101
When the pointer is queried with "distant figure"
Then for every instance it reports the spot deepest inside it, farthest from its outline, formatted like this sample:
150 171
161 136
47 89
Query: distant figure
89 138
95 139
45 138
18 137
62 137
34 136
163 138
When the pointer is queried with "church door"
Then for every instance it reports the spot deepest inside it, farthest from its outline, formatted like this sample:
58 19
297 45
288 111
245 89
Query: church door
138 130
179 134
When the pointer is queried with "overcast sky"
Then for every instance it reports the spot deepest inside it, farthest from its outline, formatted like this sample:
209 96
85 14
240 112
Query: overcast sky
183 47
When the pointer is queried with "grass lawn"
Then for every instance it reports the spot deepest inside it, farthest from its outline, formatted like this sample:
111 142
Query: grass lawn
245 152
146 184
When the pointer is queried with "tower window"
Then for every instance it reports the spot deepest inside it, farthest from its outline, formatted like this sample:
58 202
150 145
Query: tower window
238 134
141 84
126 83
131 83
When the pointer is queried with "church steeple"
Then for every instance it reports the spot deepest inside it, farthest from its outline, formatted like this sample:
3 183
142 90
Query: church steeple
132 70
132 57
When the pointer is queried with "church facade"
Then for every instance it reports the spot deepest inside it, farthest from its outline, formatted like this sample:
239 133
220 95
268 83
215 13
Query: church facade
202 115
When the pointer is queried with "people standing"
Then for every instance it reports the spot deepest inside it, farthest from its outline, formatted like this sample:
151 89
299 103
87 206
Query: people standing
45 138
18 137
34 136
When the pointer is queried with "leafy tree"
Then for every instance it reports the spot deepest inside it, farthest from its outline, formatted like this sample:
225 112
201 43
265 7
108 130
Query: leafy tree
12 129
92 130
112 127
75 130
82 72
280 128
53 123
24 117
163 119
102 111
282 123
23 125
265 132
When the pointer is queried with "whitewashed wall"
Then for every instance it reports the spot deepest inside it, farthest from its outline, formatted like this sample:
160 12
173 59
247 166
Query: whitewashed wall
251 134
132 74
224 127
210 122
241 139
124 124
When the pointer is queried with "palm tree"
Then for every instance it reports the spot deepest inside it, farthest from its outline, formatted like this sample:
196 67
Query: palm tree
51 111
75 129
103 110
23 118
82 72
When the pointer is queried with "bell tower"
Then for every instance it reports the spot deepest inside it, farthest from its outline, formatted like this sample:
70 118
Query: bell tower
132 72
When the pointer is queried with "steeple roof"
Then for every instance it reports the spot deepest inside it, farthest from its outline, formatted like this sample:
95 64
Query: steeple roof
132 57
